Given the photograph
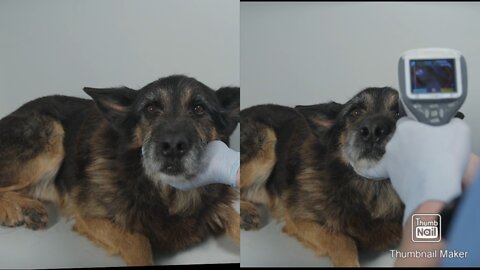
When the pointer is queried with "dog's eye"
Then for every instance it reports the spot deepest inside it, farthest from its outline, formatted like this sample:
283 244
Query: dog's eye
396 114
152 109
356 113
198 109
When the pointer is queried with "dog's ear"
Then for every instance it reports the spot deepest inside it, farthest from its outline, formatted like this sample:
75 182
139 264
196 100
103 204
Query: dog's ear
229 98
320 117
114 103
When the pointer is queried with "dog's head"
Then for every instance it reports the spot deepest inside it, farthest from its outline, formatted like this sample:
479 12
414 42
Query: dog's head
171 120
363 125
369 120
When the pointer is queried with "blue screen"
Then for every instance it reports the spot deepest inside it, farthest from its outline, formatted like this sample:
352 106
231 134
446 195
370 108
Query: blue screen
432 76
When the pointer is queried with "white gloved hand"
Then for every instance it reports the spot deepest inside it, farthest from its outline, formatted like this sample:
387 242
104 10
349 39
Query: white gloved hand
220 165
425 162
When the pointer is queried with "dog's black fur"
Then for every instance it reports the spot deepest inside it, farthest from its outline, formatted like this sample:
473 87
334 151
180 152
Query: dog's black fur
312 180
109 161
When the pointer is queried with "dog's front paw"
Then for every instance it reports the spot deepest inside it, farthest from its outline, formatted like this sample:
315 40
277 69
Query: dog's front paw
19 211
35 217
250 219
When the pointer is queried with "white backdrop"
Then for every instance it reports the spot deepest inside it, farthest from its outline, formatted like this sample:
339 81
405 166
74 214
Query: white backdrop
305 53
58 47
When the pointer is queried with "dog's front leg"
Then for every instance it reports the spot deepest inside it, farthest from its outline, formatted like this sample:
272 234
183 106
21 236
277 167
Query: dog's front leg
341 248
134 248
232 224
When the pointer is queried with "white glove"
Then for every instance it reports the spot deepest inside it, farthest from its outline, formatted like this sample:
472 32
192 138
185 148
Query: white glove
425 162
220 165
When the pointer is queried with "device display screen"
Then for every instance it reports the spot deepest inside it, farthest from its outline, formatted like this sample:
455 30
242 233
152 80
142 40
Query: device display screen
432 76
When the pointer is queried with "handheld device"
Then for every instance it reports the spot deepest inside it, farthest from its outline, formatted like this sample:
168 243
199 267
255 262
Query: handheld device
433 84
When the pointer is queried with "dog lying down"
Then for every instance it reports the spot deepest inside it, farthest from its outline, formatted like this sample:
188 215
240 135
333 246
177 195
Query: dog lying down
106 163
299 163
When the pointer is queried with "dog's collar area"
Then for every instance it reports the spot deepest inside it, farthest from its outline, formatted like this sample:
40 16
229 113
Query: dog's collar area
182 185
369 174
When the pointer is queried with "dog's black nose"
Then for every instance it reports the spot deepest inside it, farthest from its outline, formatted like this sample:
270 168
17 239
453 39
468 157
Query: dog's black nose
174 145
375 131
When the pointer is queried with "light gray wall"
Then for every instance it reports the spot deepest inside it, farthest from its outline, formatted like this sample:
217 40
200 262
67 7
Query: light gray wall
305 53
59 46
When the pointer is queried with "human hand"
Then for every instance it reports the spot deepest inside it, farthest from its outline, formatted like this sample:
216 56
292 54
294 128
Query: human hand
425 162
220 165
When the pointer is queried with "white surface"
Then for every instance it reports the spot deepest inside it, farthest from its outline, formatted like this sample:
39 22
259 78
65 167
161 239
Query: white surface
58 47
59 247
306 53
269 246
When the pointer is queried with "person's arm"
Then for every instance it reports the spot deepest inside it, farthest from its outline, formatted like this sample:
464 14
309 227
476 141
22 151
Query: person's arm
406 245
462 235
432 207
472 167
425 165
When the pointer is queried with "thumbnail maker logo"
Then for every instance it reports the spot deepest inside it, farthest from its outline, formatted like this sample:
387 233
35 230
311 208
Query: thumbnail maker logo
426 228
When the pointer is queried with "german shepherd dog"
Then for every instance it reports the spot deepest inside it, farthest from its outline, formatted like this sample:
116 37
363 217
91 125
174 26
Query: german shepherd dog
299 163
107 164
